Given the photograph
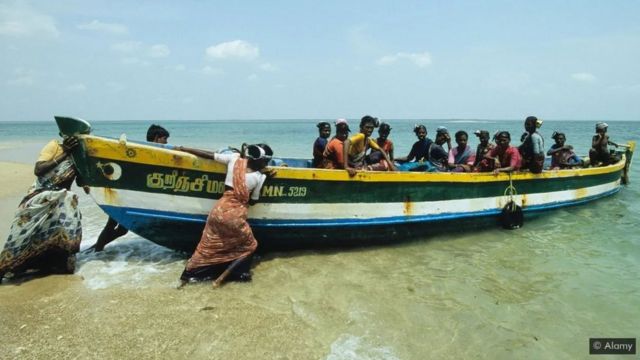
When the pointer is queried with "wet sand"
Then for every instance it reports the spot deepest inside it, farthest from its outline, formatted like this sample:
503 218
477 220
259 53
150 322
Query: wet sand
58 316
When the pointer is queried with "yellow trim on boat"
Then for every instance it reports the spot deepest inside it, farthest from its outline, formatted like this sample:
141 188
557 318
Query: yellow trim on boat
152 155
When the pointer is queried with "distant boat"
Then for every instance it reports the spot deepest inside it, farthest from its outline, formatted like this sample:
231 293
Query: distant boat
165 195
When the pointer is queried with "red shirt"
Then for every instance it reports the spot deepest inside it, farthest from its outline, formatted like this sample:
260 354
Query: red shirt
510 157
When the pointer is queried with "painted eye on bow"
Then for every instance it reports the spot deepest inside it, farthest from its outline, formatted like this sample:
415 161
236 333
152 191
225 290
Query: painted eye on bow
111 170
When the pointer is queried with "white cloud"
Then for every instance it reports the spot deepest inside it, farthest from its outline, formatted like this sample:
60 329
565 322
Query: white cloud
419 59
237 49
584 77
22 77
252 77
127 46
211 71
19 19
268 67
159 51
76 88
97 25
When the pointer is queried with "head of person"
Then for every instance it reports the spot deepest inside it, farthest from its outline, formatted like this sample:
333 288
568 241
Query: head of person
367 124
420 131
503 138
461 139
442 135
324 129
157 134
601 127
559 138
384 131
258 155
483 136
342 129
531 124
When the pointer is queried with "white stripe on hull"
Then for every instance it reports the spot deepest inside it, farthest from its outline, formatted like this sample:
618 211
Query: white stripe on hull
291 211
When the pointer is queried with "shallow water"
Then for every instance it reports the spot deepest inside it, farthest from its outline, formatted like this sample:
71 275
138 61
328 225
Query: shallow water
537 292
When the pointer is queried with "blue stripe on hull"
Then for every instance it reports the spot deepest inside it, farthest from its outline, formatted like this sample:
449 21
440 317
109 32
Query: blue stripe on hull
128 214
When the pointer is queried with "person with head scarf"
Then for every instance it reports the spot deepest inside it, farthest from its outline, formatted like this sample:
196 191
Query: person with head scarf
324 131
503 158
562 155
438 156
46 232
227 236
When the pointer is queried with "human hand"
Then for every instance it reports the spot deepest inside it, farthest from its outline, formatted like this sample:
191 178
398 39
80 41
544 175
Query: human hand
86 189
352 172
69 143
269 172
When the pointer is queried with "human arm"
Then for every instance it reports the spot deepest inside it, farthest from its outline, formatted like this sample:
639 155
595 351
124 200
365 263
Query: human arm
197 152
345 157
50 158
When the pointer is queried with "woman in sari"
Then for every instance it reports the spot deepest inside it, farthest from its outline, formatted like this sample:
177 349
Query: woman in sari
46 231
227 235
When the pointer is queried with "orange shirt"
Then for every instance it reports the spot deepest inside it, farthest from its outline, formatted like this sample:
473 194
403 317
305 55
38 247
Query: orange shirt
333 154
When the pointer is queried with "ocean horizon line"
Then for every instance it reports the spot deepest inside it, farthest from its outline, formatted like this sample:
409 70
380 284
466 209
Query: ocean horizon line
461 120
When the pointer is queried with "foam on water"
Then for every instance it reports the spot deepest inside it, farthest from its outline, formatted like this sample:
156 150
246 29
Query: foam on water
351 347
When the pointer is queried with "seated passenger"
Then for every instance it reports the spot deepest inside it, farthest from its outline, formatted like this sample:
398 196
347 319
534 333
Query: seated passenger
356 147
461 158
562 156
324 131
599 154
418 158
484 147
333 153
503 158
375 159
532 148
438 156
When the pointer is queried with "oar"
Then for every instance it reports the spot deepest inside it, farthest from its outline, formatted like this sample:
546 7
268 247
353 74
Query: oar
228 271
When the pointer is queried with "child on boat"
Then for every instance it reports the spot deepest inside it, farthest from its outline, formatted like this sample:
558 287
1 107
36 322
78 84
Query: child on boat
562 156
324 131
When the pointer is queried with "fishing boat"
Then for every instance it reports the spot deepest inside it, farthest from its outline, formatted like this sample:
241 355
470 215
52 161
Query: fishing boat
164 195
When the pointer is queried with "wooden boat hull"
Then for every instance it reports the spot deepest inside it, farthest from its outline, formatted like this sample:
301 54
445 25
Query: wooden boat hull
165 195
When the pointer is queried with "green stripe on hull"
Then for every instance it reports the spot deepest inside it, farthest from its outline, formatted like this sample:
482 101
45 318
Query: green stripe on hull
167 180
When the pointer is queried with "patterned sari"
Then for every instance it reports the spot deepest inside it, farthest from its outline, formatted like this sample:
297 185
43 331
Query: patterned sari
227 235
46 230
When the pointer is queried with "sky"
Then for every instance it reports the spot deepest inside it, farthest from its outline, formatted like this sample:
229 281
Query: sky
221 60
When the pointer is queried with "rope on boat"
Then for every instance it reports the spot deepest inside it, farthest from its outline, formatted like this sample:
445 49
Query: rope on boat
511 216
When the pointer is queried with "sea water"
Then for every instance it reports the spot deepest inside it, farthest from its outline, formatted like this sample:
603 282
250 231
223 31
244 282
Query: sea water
538 292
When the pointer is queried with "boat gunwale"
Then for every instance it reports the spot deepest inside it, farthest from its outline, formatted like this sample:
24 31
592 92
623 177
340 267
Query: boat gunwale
176 159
